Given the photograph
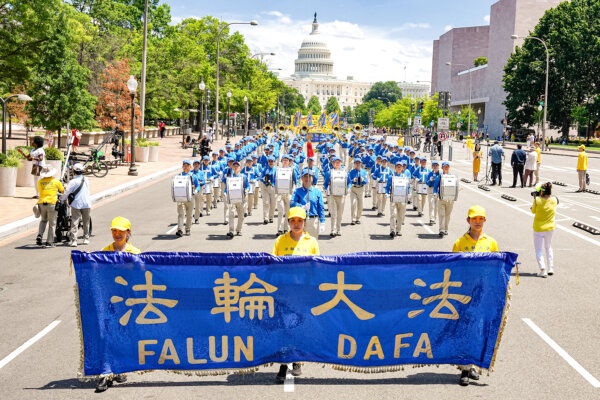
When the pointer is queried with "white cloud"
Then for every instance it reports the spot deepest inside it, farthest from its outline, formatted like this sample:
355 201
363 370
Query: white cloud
486 19
447 28
368 53
411 25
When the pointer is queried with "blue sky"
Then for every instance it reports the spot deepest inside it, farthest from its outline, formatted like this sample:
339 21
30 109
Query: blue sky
370 40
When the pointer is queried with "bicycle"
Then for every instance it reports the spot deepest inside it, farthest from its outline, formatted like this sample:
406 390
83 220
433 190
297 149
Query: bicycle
96 164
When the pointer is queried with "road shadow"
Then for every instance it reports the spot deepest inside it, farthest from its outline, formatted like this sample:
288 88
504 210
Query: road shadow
32 246
219 237
429 236
526 274
264 236
165 237
254 223
380 237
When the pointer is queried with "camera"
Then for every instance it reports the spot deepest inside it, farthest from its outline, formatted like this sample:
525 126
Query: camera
535 193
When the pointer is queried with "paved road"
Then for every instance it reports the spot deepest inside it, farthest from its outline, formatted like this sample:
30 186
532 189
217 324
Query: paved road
37 290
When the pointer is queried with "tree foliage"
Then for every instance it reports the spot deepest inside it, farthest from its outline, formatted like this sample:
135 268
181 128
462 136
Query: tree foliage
479 61
361 111
314 105
332 105
388 92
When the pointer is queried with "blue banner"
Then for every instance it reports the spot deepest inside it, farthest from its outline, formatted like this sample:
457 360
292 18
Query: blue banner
209 311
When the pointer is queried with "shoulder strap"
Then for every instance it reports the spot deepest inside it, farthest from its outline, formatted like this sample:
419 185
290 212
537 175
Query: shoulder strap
76 191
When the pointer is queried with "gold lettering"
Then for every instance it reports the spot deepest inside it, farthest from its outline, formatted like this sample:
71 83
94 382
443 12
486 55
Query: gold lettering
399 345
212 349
423 346
374 347
142 352
240 347
168 353
190 353
341 344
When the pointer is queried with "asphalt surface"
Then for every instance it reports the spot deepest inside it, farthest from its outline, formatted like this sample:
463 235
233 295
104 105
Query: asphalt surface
37 291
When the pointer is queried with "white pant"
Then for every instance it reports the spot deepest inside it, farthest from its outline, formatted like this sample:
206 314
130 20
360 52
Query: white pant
185 210
432 200
444 210
336 208
268 198
239 207
397 213
545 239
283 207
356 202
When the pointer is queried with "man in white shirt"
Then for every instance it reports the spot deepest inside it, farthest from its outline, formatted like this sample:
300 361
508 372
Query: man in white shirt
81 204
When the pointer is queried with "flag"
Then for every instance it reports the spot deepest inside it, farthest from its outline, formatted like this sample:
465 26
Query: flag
309 119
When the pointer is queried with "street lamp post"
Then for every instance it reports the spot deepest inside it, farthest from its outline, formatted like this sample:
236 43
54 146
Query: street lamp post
246 116
21 97
200 115
253 23
228 114
132 85
470 94
514 37
207 100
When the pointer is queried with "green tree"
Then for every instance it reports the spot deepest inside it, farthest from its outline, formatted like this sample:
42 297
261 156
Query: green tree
348 114
361 111
479 61
388 92
314 105
332 105
58 85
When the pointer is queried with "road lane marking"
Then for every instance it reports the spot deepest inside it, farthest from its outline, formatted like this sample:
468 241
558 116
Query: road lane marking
28 343
425 226
561 352
173 229
288 384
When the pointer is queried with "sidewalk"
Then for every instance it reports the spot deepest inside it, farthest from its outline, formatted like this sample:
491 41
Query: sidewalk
18 216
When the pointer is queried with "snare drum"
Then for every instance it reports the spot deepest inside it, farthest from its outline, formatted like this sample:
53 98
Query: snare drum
421 188
208 187
381 187
181 188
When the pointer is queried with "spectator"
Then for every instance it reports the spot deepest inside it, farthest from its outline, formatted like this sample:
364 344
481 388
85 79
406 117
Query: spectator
582 160
476 161
48 188
497 154
38 156
517 161
530 165
161 128
544 207
538 152
78 196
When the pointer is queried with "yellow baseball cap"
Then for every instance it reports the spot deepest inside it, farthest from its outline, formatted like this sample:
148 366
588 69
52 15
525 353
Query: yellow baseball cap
582 147
121 224
297 212
476 211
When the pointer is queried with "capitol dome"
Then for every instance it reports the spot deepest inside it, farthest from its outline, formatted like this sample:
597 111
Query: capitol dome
314 57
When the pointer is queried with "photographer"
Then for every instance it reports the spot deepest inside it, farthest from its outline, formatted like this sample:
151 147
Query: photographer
78 196
544 224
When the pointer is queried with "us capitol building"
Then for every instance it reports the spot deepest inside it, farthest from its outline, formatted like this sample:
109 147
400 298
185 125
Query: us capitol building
314 74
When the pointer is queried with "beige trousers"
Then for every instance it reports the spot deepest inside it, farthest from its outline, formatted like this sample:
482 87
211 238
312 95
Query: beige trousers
77 215
397 213
208 201
283 207
269 201
381 202
581 175
186 210
48 217
432 200
197 205
239 208
356 202
336 207
444 210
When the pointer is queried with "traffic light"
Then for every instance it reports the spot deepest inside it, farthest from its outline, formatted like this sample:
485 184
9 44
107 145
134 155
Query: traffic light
448 100
412 108
441 99
419 107
542 100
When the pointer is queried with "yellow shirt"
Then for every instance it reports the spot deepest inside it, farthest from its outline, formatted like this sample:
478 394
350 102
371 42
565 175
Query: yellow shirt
545 211
286 246
582 161
400 141
128 249
469 143
49 188
539 153
466 243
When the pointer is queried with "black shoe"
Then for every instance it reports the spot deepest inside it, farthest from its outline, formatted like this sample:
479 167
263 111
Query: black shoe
414 208
332 234
201 214
270 220
179 233
121 378
464 378
238 234
38 240
266 221
392 234
441 234
420 214
280 378
493 184
230 234
279 233
245 215
373 208
196 221
379 214
104 384
296 369
49 245
398 233
357 222
352 223
513 186
473 374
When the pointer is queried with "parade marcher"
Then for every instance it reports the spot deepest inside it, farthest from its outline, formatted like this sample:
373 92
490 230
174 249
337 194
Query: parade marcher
77 194
235 199
198 197
227 172
250 173
336 184
38 156
474 240
382 176
444 206
476 161
544 207
310 162
582 161
398 206
420 176
530 166
296 242
358 178
311 199
517 162
210 174
121 232
432 194
48 188
412 167
268 190
285 178
372 178
186 208
217 171
497 154
257 175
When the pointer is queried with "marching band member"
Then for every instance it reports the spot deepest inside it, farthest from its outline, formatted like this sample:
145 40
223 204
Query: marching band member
235 200
284 189
227 172
382 177
432 190
198 203
210 174
420 176
216 166
373 179
186 209
398 208
337 191
258 169
310 161
412 167
268 190
368 162
249 172
357 178
444 206
311 199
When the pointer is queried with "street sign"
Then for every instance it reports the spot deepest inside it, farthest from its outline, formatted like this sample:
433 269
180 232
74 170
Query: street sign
442 136
417 130
409 121
443 123
431 123
417 121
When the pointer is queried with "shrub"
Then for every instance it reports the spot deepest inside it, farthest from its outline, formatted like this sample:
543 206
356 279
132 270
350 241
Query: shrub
153 144
52 153
10 162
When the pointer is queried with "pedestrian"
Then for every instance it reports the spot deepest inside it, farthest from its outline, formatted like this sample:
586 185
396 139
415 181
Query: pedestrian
311 199
469 147
185 209
476 161
161 128
530 166
77 195
477 241
497 154
236 185
538 151
38 156
544 207
75 136
582 161
358 179
517 162
48 188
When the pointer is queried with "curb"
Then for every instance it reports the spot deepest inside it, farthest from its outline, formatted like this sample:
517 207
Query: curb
31 222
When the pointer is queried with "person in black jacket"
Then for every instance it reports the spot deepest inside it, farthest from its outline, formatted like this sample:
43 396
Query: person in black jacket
517 161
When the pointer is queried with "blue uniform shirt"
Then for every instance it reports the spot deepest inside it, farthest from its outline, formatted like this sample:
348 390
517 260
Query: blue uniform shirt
357 177
314 196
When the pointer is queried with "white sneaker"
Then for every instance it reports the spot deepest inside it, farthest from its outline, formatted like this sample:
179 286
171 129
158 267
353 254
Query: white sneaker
542 273
550 271
86 241
73 243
